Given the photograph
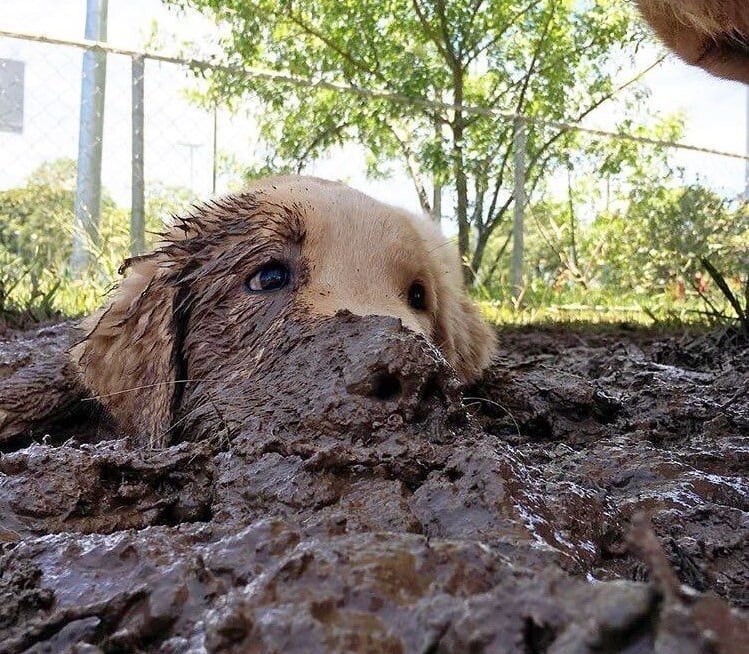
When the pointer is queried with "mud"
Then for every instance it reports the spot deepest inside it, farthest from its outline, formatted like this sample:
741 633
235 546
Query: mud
654 425
590 495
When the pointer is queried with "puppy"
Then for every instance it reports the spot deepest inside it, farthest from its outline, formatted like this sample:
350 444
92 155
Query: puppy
712 34
243 280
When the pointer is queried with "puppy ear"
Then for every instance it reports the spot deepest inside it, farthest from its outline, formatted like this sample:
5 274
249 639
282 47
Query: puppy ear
129 357
466 340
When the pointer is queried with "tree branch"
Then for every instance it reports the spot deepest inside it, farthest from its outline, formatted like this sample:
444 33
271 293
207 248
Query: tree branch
347 56
518 109
532 67
534 160
497 37
433 36
330 131
500 252
594 106
412 170
446 33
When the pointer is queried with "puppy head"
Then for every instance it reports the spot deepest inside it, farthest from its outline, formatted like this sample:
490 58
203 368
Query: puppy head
210 304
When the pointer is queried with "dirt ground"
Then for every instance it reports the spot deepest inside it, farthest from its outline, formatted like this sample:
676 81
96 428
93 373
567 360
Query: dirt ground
591 495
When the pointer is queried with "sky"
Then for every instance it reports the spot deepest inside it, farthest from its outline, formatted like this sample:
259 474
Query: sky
179 136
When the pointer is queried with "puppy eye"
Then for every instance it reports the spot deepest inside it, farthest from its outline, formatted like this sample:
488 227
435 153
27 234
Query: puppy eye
271 277
417 296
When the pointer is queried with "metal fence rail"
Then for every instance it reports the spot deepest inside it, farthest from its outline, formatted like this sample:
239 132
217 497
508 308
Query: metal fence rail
196 64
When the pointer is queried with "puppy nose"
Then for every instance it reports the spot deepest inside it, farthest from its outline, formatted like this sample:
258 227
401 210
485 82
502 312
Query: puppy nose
400 371
386 386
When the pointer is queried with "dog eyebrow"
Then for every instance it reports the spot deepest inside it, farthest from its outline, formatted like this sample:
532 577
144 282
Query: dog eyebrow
286 220
241 213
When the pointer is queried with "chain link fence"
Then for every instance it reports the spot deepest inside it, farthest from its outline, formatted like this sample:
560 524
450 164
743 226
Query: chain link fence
185 144
40 102
162 150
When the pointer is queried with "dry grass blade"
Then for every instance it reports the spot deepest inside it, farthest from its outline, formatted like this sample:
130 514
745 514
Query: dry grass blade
728 293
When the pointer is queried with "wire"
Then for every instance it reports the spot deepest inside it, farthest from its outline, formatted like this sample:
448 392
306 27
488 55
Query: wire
276 76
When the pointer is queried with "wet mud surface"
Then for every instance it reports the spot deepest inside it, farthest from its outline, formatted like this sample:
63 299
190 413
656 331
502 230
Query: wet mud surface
590 495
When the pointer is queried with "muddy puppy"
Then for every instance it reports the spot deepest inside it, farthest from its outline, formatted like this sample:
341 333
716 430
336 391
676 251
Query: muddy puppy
256 297
712 34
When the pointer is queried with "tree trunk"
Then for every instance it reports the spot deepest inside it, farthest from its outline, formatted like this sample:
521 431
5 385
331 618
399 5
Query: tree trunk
571 205
478 250
437 203
518 193
436 184
461 184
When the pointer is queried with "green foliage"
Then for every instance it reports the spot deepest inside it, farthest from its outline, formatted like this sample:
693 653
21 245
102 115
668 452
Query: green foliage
36 230
658 240
555 60
629 233
36 220
163 201
32 222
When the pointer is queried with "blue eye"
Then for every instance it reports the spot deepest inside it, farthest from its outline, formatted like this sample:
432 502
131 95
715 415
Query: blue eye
271 277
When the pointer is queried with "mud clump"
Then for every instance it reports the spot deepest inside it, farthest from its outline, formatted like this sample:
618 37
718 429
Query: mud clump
653 425
354 502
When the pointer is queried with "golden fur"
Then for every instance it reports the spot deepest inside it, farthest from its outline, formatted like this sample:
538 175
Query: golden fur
712 34
346 251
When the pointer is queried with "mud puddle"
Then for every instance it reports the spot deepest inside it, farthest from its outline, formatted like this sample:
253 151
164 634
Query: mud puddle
593 497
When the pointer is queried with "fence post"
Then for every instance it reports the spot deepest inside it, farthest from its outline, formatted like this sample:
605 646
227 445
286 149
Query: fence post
746 163
137 207
519 207
90 139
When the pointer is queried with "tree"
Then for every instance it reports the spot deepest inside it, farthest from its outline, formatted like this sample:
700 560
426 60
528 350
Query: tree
36 219
599 175
661 237
36 224
556 60
628 224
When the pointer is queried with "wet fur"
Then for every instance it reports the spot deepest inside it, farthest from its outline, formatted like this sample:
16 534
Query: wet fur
712 34
348 252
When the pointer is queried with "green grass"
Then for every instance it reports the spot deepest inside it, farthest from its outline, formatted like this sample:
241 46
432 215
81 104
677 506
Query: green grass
607 308
503 314
39 294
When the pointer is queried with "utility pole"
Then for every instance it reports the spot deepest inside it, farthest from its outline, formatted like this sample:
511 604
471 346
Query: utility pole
90 139
192 147
436 200
436 183
138 202
215 149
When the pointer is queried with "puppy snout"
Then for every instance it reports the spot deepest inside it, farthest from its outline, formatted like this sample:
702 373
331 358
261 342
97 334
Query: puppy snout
394 387
399 372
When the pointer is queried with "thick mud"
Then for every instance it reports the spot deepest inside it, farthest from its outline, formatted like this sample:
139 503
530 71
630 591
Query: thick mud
591 495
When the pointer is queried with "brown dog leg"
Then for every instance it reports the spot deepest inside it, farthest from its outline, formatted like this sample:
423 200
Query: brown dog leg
38 385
